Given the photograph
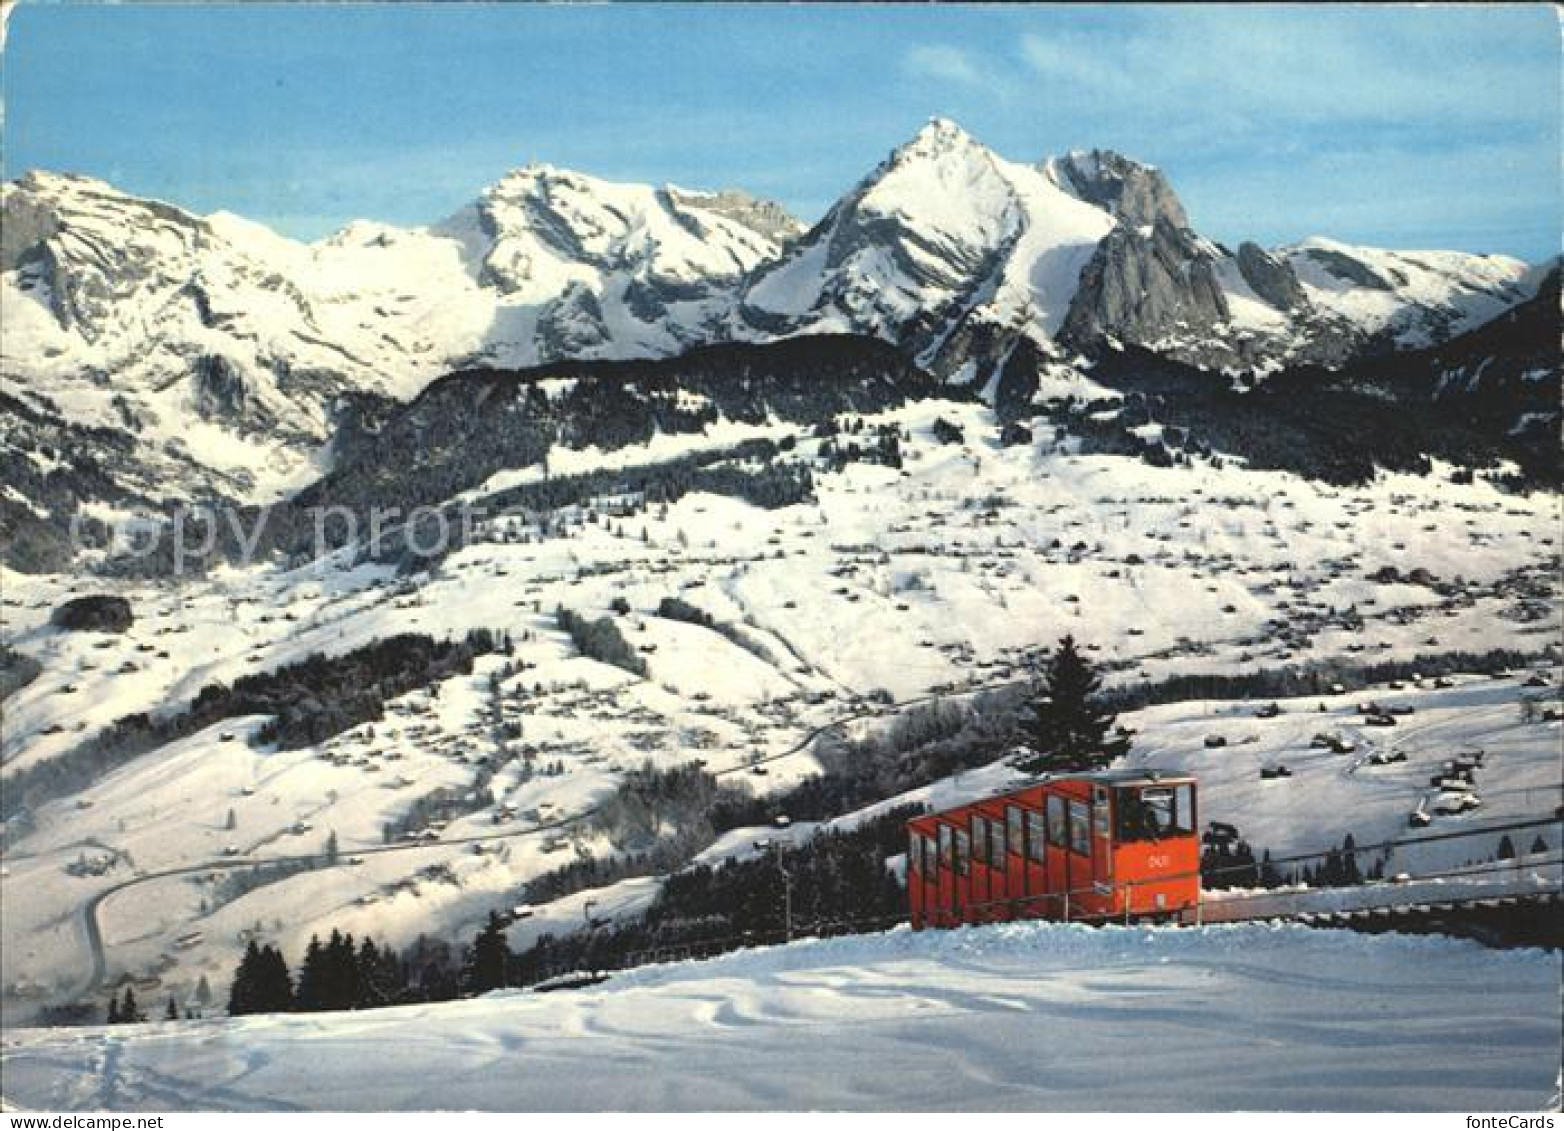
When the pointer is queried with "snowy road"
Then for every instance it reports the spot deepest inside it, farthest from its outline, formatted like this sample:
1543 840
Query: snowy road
1016 1017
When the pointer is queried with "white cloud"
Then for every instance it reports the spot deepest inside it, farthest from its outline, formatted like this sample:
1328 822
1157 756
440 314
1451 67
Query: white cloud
949 64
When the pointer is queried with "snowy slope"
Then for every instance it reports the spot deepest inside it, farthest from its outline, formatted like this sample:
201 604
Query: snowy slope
1415 298
1013 1018
944 579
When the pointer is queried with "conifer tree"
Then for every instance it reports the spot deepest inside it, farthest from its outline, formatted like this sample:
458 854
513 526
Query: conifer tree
1349 861
311 992
274 987
486 963
1067 731
242 998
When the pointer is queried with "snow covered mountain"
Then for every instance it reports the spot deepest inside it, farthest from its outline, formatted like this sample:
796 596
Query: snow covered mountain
954 253
943 249
152 354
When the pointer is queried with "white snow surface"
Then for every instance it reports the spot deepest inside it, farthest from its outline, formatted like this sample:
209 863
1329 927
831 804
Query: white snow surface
1021 1017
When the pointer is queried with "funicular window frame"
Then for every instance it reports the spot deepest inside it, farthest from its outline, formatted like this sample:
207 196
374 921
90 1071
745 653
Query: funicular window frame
1171 808
1080 828
1036 837
1058 832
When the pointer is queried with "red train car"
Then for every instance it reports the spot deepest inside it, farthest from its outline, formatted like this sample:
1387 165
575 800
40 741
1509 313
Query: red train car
1090 846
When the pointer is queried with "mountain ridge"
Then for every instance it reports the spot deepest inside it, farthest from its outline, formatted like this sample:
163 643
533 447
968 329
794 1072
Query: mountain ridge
151 353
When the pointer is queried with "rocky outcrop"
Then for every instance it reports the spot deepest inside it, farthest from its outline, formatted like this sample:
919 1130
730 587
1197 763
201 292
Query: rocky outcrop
1270 278
765 217
1348 269
1157 287
1135 193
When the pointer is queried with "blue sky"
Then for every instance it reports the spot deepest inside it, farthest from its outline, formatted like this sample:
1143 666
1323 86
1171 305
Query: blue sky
1400 126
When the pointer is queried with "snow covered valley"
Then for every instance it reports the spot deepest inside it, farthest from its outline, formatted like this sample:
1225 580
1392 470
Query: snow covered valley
923 585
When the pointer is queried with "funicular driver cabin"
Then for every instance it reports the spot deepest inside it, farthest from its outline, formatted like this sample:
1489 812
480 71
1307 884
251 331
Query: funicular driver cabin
1091 846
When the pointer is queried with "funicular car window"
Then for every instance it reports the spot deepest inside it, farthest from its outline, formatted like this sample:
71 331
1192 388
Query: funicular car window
930 856
1034 837
996 845
1057 836
946 847
963 853
1151 812
915 852
979 840
1015 829
1080 828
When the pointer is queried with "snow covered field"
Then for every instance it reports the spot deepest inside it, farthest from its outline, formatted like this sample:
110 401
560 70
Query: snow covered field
1017 1017
942 579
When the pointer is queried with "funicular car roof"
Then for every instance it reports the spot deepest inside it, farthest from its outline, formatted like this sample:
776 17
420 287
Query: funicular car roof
1118 778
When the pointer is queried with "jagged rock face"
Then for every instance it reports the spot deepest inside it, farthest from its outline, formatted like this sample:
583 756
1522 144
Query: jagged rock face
88 265
1270 278
1354 271
1136 194
1147 288
765 217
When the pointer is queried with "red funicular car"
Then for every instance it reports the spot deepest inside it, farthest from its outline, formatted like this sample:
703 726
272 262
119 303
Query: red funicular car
1089 846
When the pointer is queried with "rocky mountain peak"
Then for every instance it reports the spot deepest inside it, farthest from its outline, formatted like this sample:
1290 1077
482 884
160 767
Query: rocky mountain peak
1134 192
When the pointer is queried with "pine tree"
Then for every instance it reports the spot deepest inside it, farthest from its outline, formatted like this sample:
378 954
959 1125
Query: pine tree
1539 845
203 992
114 1018
1506 848
242 998
486 963
1067 731
129 1012
1349 862
379 976
274 988
171 1013
311 996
